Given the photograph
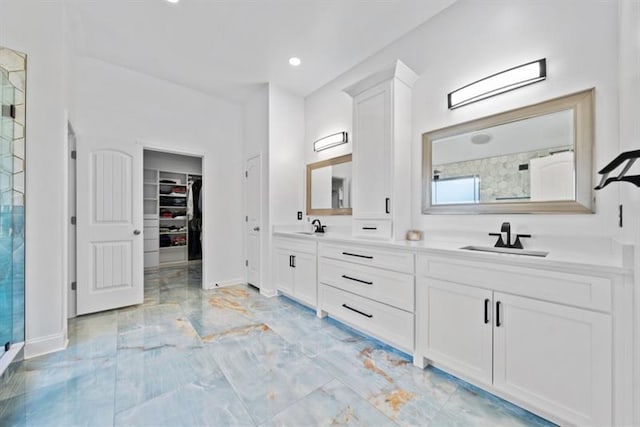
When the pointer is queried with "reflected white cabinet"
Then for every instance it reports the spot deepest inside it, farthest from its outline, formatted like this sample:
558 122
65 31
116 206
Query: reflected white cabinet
382 152
295 269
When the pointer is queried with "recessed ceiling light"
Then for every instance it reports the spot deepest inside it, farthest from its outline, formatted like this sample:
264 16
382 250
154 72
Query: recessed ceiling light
295 61
481 138
173 1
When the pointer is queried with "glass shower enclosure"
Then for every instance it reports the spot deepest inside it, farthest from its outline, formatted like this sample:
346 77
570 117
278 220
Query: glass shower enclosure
12 155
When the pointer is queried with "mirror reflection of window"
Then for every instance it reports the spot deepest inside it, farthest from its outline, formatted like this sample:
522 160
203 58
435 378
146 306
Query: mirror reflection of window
464 189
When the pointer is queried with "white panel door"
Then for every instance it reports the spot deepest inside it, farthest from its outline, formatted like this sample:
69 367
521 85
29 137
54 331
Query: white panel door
304 278
552 177
459 328
253 219
372 162
554 357
109 217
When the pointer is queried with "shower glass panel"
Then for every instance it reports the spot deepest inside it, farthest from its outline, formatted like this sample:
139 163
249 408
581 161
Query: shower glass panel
12 180
6 213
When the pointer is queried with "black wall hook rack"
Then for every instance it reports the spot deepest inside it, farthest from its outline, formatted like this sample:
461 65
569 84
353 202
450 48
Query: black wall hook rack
628 156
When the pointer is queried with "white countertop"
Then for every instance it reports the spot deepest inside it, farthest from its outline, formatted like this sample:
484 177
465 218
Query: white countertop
602 256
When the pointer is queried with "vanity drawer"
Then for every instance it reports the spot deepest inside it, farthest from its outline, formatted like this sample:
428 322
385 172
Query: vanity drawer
566 288
388 287
295 245
389 324
374 228
381 258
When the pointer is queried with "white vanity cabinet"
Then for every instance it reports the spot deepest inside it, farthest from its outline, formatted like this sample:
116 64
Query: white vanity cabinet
381 152
535 349
371 289
295 269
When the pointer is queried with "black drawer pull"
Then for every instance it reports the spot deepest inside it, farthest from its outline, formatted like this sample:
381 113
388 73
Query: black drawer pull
486 310
358 311
498 322
356 255
369 228
357 280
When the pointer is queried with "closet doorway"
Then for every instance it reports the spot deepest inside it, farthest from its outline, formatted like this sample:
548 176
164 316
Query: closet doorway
173 189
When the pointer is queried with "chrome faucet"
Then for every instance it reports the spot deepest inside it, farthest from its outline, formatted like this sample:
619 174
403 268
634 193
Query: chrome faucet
505 230
317 226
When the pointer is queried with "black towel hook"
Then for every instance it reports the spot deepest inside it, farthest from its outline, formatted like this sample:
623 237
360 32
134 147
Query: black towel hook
630 157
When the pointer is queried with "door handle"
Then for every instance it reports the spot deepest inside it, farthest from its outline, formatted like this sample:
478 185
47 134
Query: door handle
256 228
136 232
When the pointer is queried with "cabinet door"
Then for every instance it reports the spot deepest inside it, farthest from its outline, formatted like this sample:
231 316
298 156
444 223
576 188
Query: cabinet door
554 357
304 273
372 161
458 327
283 271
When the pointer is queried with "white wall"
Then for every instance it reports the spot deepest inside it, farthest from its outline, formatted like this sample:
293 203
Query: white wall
471 40
113 101
172 162
256 143
37 29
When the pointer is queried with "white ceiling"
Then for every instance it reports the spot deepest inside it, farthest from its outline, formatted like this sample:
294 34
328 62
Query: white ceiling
228 47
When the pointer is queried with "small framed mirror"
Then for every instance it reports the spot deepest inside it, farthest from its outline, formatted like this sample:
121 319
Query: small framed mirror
329 186
535 159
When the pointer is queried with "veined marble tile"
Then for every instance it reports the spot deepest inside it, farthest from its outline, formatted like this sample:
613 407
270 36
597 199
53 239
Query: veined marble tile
267 373
470 406
207 402
334 404
146 374
85 400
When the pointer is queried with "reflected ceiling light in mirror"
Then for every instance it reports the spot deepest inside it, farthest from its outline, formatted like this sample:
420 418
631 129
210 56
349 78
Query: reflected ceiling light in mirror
331 141
295 61
481 138
501 82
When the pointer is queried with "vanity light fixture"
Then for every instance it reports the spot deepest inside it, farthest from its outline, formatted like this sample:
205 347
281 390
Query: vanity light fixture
173 1
498 83
331 141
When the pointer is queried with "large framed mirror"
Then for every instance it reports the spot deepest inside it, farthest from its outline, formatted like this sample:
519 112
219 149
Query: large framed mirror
535 159
329 186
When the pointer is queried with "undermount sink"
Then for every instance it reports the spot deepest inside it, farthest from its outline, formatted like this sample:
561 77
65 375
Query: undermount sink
511 251
309 233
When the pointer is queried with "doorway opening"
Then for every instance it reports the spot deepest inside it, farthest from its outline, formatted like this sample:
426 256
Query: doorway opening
173 218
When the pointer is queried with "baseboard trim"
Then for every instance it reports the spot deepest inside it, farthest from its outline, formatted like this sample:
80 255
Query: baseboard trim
44 345
269 292
224 283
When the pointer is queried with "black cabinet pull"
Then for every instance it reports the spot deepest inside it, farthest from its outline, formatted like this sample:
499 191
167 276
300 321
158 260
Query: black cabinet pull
358 311
356 255
387 208
293 261
357 280
498 323
290 260
486 310
369 228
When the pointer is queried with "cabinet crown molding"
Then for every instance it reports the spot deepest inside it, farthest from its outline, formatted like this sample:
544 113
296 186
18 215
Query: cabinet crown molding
398 70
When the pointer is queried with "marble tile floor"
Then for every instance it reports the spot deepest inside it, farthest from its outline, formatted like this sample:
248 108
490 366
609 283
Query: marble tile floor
230 356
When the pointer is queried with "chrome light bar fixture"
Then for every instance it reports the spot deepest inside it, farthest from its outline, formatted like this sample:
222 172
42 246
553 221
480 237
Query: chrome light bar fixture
504 81
331 141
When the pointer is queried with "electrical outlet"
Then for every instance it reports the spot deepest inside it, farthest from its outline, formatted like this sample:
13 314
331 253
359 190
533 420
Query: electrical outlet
299 215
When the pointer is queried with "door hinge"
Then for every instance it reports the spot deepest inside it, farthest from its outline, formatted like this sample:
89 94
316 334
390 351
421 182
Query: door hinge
246 174
73 220
620 215
246 263
73 286
9 111
74 154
